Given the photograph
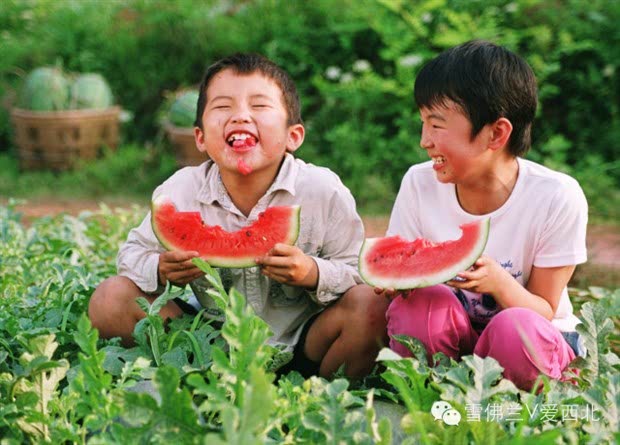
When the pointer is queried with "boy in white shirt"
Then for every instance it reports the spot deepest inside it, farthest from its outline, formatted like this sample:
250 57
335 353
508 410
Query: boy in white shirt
301 290
477 103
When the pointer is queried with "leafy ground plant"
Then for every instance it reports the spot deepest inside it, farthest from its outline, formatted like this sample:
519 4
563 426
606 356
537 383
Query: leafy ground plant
193 380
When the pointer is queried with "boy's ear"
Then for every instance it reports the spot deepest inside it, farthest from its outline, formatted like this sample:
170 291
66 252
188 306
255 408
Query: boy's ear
501 130
296 134
199 137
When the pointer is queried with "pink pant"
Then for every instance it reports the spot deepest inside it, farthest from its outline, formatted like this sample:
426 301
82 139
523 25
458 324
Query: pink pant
523 342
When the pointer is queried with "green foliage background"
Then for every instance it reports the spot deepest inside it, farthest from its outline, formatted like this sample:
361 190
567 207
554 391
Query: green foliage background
354 63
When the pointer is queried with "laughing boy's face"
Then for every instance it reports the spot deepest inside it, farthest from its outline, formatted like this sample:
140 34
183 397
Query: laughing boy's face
244 124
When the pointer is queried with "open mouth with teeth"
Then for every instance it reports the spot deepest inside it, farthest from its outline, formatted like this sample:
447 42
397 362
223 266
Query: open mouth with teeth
241 141
438 160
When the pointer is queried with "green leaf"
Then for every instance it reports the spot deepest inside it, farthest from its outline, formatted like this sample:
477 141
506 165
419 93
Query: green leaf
41 378
604 396
595 329
330 416
380 433
117 357
411 378
176 358
255 414
173 418
479 381
220 297
163 299
486 432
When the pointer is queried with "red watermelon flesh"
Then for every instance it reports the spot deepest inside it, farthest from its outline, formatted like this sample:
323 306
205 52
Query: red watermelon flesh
396 263
186 231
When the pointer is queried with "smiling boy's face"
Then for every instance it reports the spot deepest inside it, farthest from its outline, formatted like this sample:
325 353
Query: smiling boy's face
446 137
244 124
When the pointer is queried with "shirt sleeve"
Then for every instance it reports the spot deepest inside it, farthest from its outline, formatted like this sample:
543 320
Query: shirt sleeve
403 220
563 239
338 259
138 257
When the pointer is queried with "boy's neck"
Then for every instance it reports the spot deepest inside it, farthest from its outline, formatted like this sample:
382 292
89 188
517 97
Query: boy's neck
491 190
246 191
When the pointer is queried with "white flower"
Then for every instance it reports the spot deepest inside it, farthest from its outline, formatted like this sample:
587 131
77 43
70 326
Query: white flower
410 60
511 7
608 71
427 17
333 72
361 65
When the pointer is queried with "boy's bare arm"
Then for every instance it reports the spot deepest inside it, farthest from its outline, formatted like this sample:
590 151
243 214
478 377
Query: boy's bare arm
542 293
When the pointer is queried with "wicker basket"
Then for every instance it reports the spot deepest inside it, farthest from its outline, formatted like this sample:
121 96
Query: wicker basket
56 140
184 145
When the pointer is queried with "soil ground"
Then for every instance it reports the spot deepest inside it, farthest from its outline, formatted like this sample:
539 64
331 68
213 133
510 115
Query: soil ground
602 268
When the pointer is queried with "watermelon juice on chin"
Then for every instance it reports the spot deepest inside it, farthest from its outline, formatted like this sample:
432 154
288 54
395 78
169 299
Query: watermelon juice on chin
241 146
243 168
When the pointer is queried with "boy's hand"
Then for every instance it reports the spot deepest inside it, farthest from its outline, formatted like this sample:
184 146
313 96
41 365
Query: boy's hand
389 293
177 267
486 277
289 265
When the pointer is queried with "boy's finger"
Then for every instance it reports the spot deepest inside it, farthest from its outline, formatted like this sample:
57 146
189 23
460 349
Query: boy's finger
188 265
179 255
273 261
185 276
470 275
281 249
466 285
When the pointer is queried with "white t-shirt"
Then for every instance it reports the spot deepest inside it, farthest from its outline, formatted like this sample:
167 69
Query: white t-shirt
542 224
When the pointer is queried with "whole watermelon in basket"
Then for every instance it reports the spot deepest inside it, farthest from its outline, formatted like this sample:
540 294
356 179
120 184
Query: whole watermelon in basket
183 109
45 89
91 91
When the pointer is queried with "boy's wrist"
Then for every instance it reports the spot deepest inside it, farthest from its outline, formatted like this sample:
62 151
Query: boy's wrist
311 280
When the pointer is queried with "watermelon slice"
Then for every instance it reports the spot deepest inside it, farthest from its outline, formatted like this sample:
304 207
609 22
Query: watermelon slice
186 231
396 263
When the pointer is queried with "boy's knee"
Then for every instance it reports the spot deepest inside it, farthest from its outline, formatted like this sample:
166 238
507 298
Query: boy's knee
365 306
516 331
525 344
514 322
111 297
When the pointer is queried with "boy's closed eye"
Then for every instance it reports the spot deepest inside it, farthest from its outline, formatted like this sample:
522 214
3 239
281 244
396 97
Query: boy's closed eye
433 125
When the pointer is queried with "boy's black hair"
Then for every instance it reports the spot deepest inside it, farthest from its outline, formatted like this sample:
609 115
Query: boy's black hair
248 63
488 82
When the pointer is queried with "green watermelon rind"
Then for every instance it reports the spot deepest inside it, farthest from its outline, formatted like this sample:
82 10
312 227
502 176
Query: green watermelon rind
425 281
45 89
182 112
226 262
91 91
